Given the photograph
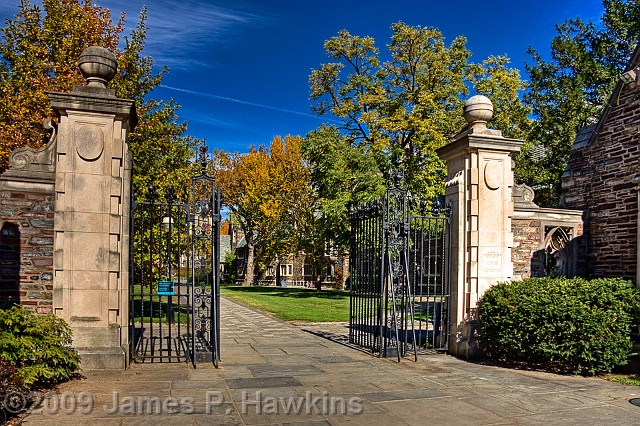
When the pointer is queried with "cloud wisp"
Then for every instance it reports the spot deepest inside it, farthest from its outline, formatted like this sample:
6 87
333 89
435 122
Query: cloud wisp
241 102
179 31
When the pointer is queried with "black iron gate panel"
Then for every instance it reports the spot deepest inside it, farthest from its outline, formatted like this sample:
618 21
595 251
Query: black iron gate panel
174 291
364 276
399 275
159 291
205 273
429 276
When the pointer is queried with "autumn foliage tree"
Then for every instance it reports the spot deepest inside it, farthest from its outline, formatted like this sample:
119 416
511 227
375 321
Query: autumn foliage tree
269 195
39 50
39 56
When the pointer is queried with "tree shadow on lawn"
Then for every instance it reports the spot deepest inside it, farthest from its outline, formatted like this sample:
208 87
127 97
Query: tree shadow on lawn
299 293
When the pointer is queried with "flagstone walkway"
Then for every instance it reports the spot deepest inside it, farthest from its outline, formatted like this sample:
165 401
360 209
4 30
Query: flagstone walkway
273 372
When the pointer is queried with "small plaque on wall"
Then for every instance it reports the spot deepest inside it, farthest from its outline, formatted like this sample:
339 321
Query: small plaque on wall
490 260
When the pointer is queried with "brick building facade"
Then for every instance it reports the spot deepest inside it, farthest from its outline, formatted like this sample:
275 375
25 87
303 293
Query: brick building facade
602 179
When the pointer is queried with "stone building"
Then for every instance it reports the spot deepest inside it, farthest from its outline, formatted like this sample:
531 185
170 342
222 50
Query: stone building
602 179
295 270
27 207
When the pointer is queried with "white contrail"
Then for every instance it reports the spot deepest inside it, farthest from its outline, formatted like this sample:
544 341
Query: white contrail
238 101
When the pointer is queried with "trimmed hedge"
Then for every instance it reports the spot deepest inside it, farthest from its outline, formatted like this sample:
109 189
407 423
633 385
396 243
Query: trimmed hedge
573 325
38 345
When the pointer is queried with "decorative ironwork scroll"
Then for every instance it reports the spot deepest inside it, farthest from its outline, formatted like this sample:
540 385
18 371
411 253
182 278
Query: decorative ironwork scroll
557 250
205 273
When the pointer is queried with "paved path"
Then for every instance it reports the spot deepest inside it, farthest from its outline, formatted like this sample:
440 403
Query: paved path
327 383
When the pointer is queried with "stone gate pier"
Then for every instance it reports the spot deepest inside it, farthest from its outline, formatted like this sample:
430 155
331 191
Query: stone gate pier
479 191
92 204
64 217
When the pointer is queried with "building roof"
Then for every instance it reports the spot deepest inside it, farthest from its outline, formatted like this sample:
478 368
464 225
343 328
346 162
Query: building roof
241 243
634 62
584 136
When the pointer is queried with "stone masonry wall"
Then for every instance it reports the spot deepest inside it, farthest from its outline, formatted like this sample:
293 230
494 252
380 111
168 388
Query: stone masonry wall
526 255
531 228
545 241
600 180
26 249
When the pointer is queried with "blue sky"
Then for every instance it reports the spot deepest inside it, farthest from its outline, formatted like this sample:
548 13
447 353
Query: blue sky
240 68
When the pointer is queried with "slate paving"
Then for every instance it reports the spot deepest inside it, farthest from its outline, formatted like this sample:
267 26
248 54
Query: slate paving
276 373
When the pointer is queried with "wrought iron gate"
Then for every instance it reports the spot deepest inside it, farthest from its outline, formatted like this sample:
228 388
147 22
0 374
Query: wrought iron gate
399 274
174 292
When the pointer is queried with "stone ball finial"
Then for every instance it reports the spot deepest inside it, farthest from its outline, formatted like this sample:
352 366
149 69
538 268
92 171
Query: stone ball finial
478 110
98 66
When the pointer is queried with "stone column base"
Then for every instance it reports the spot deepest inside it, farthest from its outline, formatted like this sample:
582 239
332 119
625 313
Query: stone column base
100 348
465 344
105 358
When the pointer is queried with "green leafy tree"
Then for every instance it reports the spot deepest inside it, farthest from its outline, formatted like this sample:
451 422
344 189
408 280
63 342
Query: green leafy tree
569 90
342 175
411 105
161 151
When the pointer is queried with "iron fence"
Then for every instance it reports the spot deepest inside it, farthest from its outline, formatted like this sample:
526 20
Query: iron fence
399 289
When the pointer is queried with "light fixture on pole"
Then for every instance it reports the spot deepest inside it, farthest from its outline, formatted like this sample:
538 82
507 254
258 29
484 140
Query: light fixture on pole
630 76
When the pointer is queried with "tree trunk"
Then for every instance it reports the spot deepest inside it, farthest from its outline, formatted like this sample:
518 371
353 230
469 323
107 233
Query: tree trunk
248 276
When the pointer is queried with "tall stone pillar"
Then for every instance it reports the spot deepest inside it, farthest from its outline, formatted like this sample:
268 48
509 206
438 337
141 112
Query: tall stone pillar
91 224
479 185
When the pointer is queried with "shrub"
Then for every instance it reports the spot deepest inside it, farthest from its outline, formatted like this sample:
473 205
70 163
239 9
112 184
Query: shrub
230 266
37 345
10 382
575 325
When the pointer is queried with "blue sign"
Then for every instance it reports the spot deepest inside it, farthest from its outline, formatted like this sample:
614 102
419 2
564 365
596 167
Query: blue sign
165 288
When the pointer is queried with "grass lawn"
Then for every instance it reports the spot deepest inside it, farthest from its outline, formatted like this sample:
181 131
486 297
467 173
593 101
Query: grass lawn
625 379
293 304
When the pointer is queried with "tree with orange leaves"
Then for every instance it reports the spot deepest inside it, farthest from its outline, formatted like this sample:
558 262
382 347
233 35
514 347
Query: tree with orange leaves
39 49
269 194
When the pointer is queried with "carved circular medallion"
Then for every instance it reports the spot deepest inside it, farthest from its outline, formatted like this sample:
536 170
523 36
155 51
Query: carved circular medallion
89 142
492 175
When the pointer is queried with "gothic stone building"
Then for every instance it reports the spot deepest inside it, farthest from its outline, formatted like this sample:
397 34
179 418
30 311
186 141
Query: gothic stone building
602 179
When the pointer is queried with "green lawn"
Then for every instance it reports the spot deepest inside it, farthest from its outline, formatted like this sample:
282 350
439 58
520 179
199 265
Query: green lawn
293 304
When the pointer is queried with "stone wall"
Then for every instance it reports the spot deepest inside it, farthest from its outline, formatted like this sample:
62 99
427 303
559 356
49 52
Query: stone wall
600 180
545 241
526 255
26 229
26 247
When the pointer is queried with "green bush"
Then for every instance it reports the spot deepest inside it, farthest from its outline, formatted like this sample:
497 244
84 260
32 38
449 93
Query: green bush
10 383
573 325
38 345
230 266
